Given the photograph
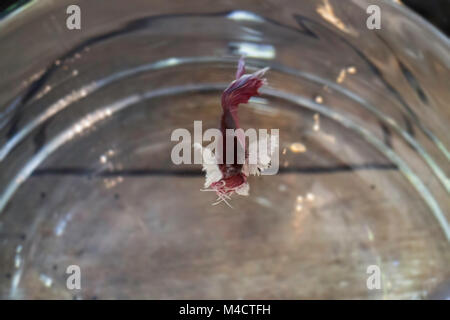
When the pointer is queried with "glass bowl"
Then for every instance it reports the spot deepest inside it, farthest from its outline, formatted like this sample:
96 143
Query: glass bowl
85 152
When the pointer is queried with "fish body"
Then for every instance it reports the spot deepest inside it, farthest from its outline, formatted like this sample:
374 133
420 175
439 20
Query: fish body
228 178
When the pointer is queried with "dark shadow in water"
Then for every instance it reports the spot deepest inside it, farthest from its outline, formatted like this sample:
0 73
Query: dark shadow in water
80 171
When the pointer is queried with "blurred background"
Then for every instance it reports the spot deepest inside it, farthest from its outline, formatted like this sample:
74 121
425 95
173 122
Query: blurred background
87 179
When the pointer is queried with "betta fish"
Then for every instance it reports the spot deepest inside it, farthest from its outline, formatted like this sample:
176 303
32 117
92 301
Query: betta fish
232 177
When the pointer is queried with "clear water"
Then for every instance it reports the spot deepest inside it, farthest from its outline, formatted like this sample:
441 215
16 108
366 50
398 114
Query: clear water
87 179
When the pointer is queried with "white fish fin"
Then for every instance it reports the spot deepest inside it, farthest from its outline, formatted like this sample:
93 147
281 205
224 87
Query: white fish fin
243 189
213 173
